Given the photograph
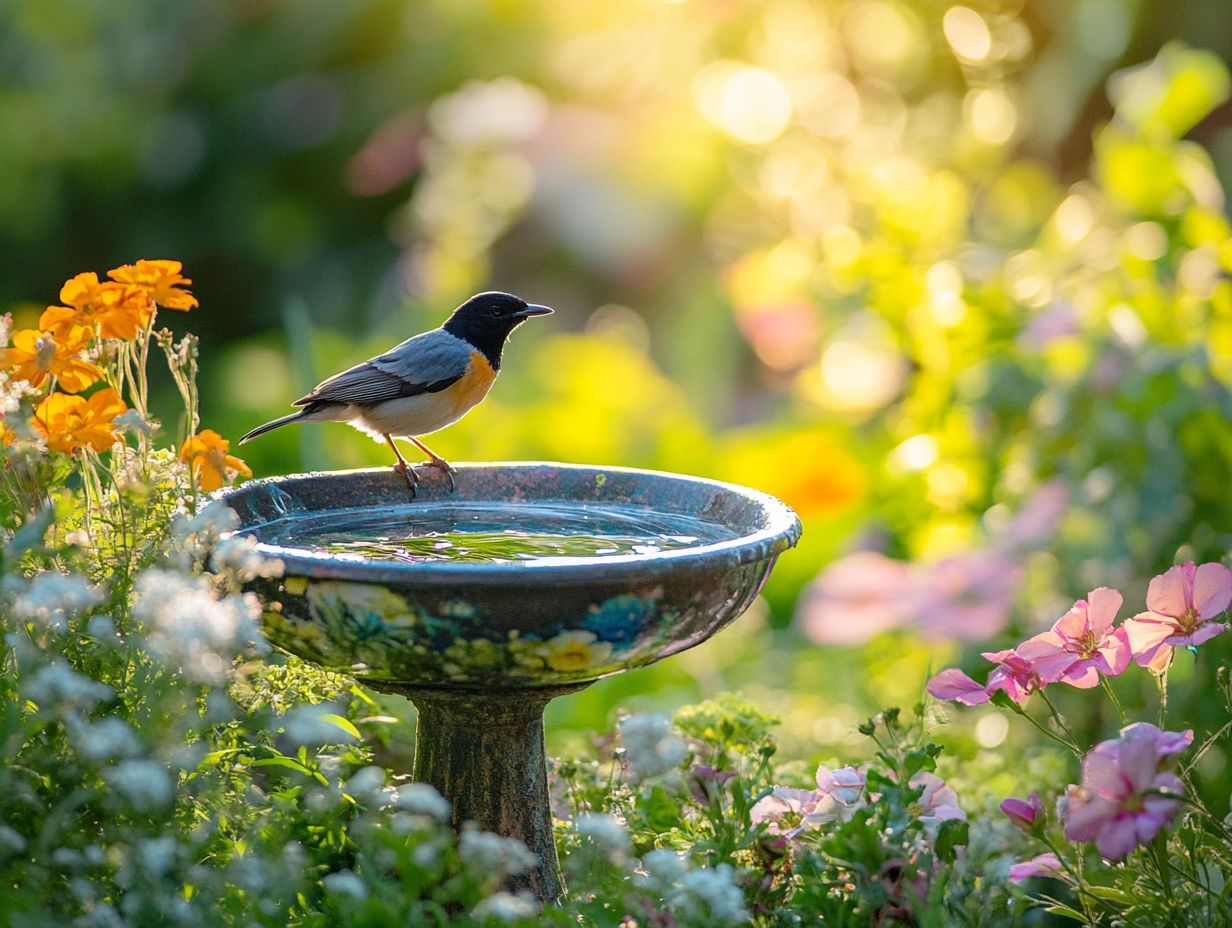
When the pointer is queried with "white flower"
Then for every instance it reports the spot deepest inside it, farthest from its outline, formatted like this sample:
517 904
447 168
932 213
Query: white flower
345 883
10 841
312 725
663 869
706 896
651 745
211 523
423 799
189 628
505 907
366 784
488 854
58 684
239 557
710 892
608 834
53 598
109 737
144 783
426 855
158 854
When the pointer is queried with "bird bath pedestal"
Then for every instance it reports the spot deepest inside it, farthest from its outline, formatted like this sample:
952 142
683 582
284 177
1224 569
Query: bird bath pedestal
480 648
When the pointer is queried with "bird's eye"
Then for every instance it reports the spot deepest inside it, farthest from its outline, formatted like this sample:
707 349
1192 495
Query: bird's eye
498 311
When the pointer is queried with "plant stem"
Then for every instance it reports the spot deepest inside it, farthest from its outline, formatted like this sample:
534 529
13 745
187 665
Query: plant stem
1073 744
1116 704
1162 681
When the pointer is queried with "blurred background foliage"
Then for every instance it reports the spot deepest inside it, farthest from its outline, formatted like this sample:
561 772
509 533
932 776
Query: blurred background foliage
950 279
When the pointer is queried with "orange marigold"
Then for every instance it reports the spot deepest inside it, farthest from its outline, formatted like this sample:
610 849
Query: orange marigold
160 279
70 423
206 454
118 310
36 354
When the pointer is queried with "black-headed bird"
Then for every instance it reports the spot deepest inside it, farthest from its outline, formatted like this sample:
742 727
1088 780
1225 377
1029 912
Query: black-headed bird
422 385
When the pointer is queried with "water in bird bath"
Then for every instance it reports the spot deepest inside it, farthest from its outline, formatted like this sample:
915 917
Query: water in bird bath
493 532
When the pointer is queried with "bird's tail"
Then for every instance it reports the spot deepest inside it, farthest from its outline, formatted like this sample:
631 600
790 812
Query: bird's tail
277 423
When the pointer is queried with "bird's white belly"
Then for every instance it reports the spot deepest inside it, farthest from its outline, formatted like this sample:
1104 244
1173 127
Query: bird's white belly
410 415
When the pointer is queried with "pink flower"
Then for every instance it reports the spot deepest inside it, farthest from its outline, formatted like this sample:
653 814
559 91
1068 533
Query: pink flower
1027 814
967 597
1119 804
938 801
955 686
1016 675
1041 865
708 782
840 793
855 598
1013 674
784 810
1082 644
1182 601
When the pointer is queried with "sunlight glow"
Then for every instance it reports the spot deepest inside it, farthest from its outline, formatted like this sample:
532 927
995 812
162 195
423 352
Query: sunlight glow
750 104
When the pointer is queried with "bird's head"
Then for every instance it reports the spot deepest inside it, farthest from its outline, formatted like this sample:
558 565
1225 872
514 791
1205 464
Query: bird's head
486 319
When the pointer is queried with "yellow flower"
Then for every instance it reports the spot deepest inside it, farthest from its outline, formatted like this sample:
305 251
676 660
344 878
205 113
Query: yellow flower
206 454
117 310
159 279
575 651
70 423
36 354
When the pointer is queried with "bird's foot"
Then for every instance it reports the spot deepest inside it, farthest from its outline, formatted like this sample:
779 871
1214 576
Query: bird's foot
408 475
443 465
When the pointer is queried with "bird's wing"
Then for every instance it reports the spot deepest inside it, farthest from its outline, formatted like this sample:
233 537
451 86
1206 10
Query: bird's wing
426 363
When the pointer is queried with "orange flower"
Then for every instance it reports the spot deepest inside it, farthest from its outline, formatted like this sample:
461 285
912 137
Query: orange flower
206 454
70 423
118 310
159 279
35 354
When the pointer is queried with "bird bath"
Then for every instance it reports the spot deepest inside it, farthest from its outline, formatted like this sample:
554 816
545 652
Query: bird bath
529 582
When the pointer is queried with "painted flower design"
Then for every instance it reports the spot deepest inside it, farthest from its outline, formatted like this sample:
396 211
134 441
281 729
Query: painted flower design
620 618
1181 604
1082 645
70 423
161 280
206 453
1128 791
571 651
34 356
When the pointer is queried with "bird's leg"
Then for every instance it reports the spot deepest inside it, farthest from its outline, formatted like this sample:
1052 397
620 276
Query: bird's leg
436 461
402 467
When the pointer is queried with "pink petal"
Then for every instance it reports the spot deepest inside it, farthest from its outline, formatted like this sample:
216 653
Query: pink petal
1073 624
1169 594
1120 836
997 657
1041 865
1086 815
1202 634
1082 674
1146 631
1004 680
1115 653
1046 656
1212 590
953 684
1102 609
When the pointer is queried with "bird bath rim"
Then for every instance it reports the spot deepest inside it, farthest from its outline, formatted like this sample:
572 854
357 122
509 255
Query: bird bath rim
779 530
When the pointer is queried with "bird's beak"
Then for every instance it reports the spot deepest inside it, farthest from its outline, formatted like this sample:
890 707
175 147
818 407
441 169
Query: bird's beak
533 309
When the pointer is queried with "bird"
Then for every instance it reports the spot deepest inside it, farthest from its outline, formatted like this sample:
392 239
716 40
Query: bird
429 381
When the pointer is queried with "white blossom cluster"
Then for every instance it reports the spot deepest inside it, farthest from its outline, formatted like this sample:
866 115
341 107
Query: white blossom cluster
651 744
705 896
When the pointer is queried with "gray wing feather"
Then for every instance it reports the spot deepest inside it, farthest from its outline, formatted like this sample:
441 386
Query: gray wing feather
426 363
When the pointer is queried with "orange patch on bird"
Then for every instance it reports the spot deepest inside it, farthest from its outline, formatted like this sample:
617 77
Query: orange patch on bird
474 384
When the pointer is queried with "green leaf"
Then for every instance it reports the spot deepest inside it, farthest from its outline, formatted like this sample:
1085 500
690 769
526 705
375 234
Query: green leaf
341 722
281 761
951 835
1066 912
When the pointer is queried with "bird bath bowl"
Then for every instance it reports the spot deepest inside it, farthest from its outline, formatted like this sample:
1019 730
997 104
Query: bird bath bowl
528 582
